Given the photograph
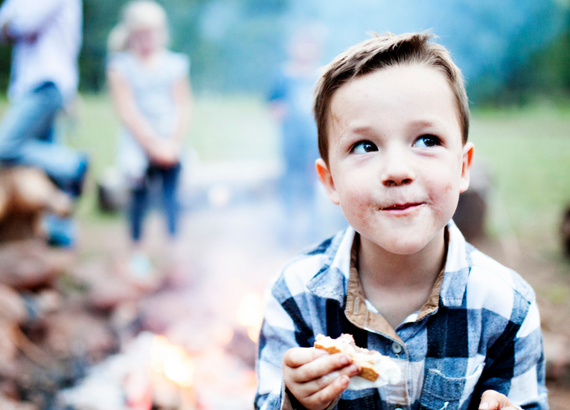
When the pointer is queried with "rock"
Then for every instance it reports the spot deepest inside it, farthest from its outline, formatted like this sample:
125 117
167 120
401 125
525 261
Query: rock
557 358
74 332
12 306
8 404
471 211
109 285
8 351
30 264
470 215
565 232
112 191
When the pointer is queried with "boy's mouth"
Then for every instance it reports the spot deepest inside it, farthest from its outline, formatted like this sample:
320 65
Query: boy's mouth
400 207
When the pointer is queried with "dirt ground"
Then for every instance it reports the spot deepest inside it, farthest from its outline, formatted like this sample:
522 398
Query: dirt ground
230 251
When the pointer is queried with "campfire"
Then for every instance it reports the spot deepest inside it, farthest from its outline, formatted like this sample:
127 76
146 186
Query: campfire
250 314
82 335
154 372
171 371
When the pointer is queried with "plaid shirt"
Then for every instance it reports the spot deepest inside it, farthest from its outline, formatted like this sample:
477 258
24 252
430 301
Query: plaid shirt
479 330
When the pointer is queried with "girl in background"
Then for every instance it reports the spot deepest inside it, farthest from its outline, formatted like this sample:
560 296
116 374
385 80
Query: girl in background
151 92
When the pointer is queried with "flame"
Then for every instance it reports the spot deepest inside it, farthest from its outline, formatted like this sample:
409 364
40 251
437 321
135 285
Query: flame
250 314
172 360
223 334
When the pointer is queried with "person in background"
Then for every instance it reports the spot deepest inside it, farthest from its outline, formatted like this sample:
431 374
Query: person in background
290 101
151 92
46 39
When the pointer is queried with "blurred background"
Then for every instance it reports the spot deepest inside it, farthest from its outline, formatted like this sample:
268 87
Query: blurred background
238 229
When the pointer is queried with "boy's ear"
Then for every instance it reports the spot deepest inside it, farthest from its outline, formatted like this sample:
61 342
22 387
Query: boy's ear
327 180
466 166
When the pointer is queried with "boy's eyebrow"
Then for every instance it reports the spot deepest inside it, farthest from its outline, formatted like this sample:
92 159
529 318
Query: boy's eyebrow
364 129
426 123
357 129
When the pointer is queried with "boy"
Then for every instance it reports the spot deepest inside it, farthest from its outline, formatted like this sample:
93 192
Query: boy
393 120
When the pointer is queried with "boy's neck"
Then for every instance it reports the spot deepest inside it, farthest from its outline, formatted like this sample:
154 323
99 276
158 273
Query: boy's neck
399 285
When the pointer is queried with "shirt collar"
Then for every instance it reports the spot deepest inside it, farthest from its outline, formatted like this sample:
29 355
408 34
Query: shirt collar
457 266
332 281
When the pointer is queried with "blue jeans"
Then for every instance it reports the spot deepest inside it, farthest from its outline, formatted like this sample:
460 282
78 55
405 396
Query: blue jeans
27 137
169 178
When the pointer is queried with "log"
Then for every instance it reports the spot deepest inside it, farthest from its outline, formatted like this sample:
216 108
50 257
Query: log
25 194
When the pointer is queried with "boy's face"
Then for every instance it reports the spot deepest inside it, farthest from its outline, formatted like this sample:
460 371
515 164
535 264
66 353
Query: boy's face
396 159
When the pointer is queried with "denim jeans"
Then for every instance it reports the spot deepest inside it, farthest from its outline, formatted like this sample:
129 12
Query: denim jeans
169 178
27 136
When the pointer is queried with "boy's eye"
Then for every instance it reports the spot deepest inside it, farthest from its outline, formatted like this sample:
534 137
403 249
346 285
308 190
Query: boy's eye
426 141
363 147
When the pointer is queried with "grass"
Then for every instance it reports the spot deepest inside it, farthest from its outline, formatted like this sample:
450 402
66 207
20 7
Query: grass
222 129
528 151
228 128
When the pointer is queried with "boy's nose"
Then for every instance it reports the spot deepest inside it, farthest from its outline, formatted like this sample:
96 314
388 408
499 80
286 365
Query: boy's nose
397 170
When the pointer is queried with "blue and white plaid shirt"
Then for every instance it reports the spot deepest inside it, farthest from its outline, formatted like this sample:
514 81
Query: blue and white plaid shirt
479 330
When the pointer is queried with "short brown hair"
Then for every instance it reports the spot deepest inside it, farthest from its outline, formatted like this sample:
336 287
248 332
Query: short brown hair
385 51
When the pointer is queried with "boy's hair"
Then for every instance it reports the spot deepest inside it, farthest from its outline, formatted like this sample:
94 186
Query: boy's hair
386 51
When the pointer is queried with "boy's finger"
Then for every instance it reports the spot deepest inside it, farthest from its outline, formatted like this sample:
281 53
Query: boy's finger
329 393
310 388
298 356
492 400
321 366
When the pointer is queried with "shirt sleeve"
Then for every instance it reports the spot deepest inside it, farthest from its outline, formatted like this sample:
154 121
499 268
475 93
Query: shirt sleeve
516 366
30 16
283 328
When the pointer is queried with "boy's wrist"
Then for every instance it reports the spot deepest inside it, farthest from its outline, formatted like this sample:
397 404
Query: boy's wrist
297 405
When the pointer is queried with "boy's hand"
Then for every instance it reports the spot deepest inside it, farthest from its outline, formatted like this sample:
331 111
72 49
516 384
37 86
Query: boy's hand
316 378
492 400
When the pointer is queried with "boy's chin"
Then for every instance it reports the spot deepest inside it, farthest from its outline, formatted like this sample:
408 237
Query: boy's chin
404 249
407 245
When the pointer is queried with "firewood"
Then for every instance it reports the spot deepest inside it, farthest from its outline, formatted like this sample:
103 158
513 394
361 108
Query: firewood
25 194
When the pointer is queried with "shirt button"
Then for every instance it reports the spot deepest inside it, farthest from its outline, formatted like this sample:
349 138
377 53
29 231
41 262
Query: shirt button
396 348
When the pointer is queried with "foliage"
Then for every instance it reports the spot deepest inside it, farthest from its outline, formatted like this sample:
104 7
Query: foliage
510 51
546 76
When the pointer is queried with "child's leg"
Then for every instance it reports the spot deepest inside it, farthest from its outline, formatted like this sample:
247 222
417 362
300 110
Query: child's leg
170 178
139 267
25 139
138 209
